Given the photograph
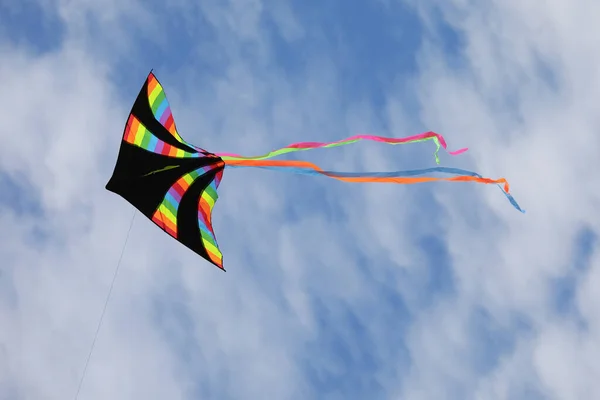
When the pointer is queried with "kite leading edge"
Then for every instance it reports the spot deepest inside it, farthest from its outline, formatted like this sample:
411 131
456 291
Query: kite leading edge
174 183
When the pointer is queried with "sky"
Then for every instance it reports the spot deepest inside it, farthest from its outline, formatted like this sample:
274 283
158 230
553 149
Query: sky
333 290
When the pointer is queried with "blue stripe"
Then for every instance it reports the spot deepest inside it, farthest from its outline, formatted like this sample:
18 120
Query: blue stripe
161 109
393 174
153 143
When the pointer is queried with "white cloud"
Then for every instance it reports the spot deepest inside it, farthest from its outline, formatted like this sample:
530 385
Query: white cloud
541 138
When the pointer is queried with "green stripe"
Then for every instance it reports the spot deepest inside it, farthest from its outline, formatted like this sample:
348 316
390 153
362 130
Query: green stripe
208 237
158 101
211 192
286 150
170 206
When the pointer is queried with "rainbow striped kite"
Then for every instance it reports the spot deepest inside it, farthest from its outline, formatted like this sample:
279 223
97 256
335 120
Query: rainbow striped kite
174 183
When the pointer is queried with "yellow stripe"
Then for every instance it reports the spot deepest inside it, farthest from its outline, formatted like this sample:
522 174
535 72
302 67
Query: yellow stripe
188 179
167 224
209 200
139 134
154 94
212 249
167 213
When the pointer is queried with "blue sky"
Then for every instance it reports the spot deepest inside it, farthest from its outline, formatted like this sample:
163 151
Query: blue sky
333 290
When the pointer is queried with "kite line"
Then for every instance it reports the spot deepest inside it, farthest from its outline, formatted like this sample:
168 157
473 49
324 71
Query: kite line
112 284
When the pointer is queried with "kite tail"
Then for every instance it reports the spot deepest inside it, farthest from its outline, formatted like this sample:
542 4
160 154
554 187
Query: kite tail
399 177
301 146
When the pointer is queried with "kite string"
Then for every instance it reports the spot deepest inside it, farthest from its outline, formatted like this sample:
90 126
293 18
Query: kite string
112 284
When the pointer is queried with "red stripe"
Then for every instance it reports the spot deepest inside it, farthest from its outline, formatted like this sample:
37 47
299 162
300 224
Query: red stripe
179 188
169 122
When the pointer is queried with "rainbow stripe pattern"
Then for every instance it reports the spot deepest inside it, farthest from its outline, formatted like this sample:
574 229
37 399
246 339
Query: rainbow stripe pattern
161 108
205 206
165 215
138 135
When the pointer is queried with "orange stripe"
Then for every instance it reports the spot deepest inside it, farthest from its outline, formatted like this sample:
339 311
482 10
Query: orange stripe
216 259
170 225
273 163
152 84
205 208
128 133
135 126
399 180
413 180
165 223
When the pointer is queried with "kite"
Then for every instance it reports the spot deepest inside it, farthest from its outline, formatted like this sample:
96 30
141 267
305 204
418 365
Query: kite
174 183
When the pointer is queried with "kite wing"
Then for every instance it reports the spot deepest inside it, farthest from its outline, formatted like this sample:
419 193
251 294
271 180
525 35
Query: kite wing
170 181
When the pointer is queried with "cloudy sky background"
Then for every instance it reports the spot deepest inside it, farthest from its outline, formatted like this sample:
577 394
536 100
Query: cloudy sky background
333 290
